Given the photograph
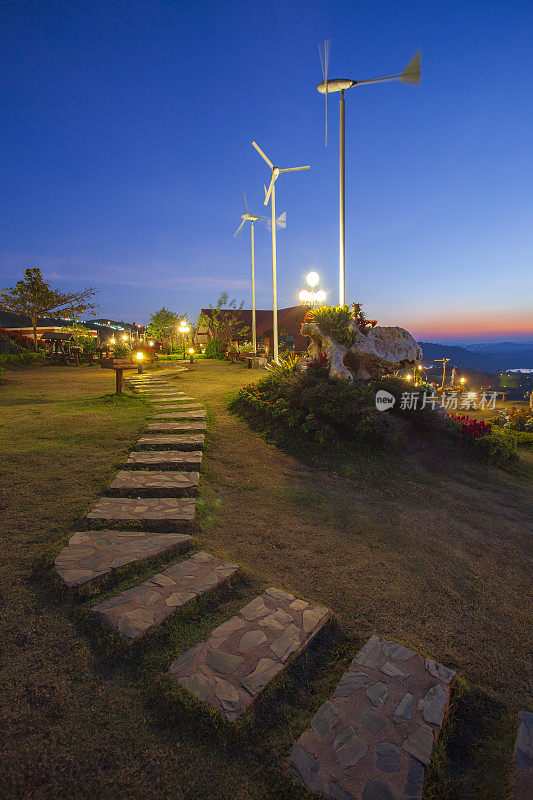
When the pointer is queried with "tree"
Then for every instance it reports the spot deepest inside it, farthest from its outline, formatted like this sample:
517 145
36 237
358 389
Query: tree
34 297
224 320
163 326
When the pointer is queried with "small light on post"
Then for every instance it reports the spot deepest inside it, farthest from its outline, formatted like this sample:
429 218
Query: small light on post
191 354
139 356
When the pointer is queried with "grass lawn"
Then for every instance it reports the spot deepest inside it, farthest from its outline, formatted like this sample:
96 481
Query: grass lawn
422 546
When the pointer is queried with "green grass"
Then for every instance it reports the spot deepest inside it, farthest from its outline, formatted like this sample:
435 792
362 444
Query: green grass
423 546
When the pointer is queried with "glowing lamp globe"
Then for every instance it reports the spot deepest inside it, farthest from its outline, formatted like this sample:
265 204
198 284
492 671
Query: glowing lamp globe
312 279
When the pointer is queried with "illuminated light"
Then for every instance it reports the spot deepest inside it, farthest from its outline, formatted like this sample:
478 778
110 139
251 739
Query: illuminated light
112 340
304 296
151 344
191 351
312 279
462 380
125 337
408 377
420 366
321 296
139 356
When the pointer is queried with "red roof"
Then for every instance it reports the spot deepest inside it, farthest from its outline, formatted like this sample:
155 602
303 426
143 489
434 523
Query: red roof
290 319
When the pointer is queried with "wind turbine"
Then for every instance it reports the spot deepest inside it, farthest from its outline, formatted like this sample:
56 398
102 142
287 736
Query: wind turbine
252 218
270 193
411 74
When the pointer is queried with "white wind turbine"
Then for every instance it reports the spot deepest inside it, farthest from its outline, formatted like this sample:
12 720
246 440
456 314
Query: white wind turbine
253 218
411 74
270 193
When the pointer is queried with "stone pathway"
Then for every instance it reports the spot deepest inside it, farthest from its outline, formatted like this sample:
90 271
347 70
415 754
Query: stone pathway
165 458
176 426
90 554
523 758
137 609
135 480
185 441
244 654
190 414
375 736
168 414
161 509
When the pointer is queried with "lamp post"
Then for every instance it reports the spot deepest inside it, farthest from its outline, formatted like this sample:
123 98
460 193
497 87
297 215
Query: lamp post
309 297
184 330
191 354
139 356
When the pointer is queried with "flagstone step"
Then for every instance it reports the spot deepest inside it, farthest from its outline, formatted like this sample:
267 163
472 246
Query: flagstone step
181 400
161 391
187 441
174 404
191 414
178 510
177 426
243 655
137 480
523 758
168 414
177 459
90 554
375 736
134 611
184 407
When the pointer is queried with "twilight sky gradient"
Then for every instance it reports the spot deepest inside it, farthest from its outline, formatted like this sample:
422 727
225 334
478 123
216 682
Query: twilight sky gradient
127 143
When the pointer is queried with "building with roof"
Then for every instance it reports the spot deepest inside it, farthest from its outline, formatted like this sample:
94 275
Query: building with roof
289 325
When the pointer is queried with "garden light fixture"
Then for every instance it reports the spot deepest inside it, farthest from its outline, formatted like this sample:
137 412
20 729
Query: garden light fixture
139 356
191 354
411 74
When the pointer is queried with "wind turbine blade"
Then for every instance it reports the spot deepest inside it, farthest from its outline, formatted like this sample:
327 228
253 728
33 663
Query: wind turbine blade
265 188
269 191
263 156
281 221
237 232
295 169
324 50
244 203
412 73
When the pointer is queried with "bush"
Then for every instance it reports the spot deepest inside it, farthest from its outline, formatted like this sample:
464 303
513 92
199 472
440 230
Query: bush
471 428
215 349
121 350
515 418
13 342
497 448
20 359
309 406
334 321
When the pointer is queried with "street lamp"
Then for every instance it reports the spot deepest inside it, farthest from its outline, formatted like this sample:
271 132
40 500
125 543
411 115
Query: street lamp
184 330
139 356
191 354
310 297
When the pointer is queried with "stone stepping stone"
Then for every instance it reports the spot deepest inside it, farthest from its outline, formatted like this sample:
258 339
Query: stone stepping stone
177 426
182 406
374 738
191 414
243 655
186 441
168 397
172 407
161 509
523 758
161 391
134 611
168 414
91 554
136 480
165 458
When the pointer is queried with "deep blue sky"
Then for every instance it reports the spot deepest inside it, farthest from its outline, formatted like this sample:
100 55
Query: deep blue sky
126 144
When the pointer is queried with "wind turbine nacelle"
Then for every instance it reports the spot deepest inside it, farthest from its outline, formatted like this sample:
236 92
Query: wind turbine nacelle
250 217
335 85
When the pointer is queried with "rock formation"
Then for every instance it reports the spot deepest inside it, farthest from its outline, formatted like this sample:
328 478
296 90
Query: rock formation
381 350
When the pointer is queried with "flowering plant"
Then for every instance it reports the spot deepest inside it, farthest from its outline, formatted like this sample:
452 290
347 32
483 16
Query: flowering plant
472 429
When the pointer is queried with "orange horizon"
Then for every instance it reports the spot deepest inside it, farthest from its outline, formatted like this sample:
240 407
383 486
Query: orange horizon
480 325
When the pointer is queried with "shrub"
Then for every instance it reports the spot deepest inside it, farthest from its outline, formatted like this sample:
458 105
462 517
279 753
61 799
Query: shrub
497 448
309 406
214 348
334 321
20 359
121 350
13 342
515 419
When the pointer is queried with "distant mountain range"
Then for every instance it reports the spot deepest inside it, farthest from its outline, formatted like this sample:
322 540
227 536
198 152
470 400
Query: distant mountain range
492 357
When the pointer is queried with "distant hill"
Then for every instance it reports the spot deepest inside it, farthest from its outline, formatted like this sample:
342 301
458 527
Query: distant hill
486 357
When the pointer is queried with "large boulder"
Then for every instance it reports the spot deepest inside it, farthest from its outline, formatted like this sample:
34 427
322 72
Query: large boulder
382 350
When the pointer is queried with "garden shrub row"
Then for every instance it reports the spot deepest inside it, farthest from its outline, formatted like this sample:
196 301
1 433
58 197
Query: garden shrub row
20 359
